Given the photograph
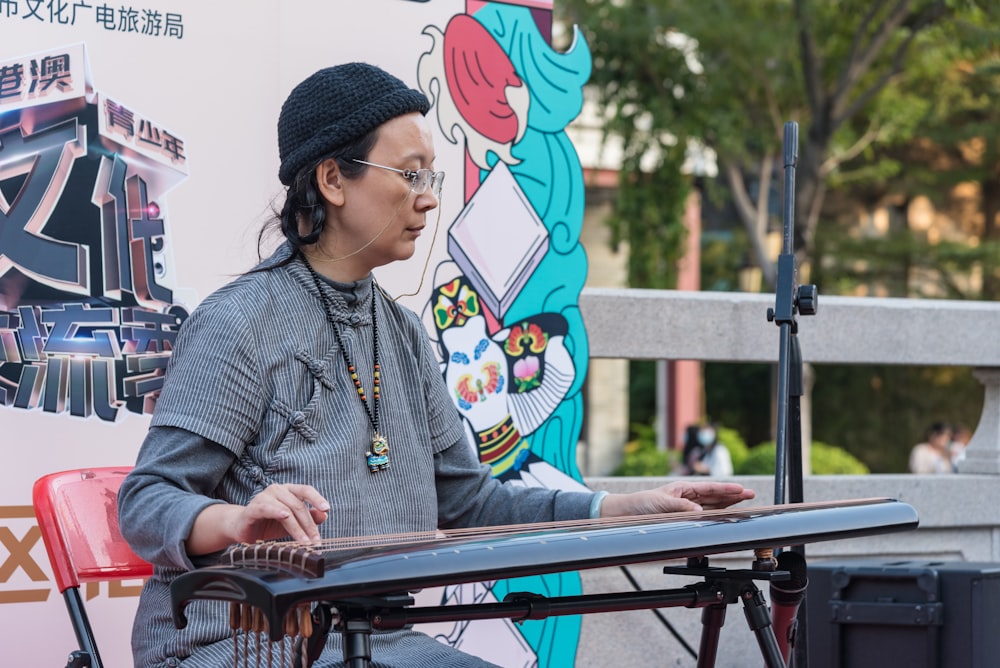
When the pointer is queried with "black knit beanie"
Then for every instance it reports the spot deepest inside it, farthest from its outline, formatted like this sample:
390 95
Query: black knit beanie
335 106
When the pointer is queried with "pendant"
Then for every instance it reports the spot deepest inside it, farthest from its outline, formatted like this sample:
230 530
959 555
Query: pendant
378 456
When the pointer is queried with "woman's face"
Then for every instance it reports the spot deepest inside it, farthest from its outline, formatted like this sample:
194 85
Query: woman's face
377 219
940 439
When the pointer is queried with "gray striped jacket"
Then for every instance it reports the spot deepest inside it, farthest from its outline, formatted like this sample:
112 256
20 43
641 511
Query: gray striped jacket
257 371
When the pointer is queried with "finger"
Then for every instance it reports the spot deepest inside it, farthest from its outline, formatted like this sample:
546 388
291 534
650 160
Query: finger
268 518
713 490
265 518
309 494
319 507
724 501
683 506
722 488
298 520
318 516
654 504
717 504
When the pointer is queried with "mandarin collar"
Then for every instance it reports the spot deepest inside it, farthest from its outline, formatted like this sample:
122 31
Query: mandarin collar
357 313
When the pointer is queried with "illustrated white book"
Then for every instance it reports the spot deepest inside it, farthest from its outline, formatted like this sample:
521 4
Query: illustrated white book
498 240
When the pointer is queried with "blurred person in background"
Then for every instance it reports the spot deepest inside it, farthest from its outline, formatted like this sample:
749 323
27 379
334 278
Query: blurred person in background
960 436
934 454
708 456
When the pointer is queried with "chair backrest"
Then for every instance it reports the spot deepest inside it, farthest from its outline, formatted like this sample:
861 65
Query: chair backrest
77 512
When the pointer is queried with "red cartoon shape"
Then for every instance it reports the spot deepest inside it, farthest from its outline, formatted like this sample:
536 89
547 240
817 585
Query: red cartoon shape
479 73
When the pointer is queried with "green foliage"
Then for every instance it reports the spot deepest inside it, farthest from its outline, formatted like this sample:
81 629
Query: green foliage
670 75
824 460
648 216
740 395
723 255
890 408
904 264
878 412
643 86
643 458
738 450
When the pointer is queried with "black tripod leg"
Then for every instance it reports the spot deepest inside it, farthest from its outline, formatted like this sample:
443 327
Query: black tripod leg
713 618
759 619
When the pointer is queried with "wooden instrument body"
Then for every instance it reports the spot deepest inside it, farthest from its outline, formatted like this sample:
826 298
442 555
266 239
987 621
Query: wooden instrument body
350 574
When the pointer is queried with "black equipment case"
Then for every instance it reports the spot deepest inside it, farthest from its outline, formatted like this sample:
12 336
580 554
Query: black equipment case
867 614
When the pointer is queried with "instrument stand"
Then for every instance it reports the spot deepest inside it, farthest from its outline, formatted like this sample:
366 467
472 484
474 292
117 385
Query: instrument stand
357 618
789 300
355 622
735 585
357 631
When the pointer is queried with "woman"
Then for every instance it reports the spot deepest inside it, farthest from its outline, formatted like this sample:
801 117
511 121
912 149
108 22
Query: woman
935 454
302 402
711 456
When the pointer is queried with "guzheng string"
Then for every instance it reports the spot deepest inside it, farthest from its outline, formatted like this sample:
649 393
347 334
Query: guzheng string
442 536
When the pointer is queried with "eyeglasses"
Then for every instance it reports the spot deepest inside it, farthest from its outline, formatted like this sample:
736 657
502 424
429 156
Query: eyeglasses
419 179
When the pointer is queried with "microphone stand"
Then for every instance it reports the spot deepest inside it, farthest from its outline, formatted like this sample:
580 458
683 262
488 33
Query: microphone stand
789 300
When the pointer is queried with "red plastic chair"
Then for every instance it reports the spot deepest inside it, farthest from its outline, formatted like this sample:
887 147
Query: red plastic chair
77 512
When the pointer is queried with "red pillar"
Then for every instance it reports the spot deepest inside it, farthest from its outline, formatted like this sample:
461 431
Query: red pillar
685 393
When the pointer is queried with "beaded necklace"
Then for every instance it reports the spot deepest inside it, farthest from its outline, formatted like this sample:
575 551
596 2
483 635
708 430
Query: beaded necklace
377 458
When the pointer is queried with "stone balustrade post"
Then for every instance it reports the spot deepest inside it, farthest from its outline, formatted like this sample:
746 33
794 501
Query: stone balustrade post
982 454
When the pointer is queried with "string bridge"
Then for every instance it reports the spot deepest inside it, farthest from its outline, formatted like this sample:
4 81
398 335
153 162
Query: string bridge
293 558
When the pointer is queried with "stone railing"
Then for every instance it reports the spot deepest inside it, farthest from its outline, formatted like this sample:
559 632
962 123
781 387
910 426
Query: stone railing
732 327
958 518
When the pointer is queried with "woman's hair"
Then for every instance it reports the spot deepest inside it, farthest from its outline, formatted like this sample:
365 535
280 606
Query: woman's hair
938 428
691 445
303 203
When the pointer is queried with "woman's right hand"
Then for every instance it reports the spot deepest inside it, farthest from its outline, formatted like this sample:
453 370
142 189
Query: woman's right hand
282 510
279 511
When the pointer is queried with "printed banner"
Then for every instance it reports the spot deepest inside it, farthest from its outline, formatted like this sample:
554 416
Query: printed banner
138 162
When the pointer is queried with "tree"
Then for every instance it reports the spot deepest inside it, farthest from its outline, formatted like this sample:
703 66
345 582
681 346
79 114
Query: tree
727 75
639 79
952 93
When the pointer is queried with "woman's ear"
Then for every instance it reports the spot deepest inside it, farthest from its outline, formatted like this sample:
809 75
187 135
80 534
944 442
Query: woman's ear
330 181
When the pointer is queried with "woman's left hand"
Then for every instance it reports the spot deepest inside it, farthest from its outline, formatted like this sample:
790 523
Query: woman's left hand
675 497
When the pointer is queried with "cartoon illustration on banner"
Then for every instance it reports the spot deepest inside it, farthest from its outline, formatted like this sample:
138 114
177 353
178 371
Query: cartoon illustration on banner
504 310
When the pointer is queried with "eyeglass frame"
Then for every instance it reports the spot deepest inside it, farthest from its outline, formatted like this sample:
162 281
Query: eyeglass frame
435 181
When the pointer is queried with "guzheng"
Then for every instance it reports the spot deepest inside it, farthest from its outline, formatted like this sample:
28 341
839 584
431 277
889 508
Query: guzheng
278 579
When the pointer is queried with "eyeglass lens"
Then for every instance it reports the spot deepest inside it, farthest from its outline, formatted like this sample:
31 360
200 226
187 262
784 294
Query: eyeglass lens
423 178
